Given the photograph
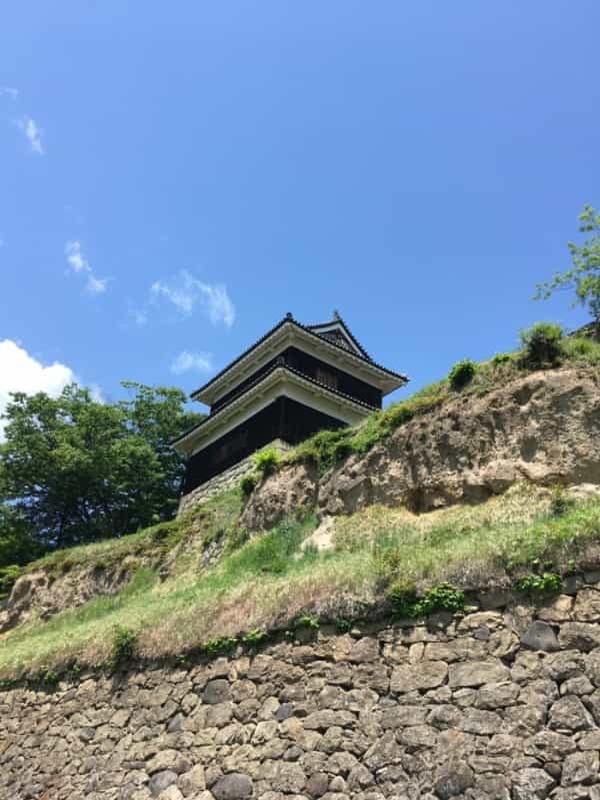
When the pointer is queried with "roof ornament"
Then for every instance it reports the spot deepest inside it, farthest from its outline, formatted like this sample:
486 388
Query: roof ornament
288 315
336 314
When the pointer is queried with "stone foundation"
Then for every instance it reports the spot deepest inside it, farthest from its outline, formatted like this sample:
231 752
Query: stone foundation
224 480
502 702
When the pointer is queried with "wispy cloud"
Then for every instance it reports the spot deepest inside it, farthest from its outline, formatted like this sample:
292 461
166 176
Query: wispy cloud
77 261
188 292
33 134
9 91
186 362
139 316
79 264
96 285
183 298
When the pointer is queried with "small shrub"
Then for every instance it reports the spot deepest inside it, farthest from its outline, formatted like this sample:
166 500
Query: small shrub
123 646
546 583
403 598
542 345
343 625
219 645
442 597
308 621
248 484
266 461
49 676
461 374
501 358
76 669
254 636
560 502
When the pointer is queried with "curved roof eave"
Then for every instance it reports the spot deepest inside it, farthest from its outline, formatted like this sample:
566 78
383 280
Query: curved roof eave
366 360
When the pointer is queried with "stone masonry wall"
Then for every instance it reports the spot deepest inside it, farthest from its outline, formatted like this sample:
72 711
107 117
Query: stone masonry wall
502 702
224 480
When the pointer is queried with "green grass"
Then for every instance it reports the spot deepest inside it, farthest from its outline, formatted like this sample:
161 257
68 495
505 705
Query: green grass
213 518
269 581
145 605
476 555
581 350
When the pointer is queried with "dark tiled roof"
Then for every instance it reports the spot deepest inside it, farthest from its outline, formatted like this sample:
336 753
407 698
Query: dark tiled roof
287 368
346 328
308 328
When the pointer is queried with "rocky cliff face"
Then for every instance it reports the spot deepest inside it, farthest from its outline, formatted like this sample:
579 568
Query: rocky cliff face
544 428
40 595
500 702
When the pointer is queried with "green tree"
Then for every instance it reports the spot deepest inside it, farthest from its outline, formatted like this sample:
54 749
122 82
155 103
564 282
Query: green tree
17 545
584 275
76 470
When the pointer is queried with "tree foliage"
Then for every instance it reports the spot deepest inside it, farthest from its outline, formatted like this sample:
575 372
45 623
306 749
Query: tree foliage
74 470
584 275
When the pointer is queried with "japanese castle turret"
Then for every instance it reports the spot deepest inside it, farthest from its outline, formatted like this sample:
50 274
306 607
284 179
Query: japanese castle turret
294 381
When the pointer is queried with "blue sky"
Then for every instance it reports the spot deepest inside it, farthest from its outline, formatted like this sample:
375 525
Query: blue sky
176 177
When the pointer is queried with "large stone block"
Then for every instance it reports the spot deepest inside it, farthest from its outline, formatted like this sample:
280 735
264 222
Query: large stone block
477 673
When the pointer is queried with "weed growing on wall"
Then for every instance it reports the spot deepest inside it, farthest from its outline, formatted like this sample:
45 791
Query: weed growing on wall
123 646
266 461
248 484
547 583
443 597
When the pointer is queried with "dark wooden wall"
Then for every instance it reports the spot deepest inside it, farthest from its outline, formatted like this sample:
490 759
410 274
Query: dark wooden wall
313 368
283 419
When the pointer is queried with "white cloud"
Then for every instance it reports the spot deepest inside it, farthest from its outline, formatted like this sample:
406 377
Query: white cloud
186 361
20 372
33 134
75 257
219 306
140 316
182 298
96 285
189 291
79 263
9 91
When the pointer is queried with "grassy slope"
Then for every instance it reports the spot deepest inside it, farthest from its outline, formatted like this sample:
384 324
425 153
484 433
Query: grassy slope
268 581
